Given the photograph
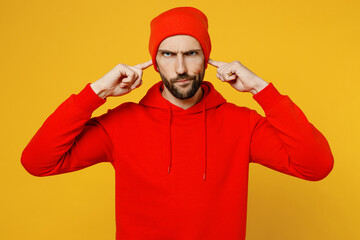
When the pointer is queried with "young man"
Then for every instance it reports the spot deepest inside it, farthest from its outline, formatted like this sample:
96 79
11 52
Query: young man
181 155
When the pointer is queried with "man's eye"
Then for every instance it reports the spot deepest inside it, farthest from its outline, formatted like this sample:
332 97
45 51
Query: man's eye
166 54
193 53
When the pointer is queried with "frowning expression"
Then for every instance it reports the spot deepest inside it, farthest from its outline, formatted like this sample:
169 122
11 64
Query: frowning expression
181 64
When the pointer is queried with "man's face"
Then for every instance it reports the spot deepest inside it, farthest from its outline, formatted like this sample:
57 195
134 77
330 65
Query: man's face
180 58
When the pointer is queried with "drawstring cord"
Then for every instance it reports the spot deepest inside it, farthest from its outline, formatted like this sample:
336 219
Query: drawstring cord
205 140
170 145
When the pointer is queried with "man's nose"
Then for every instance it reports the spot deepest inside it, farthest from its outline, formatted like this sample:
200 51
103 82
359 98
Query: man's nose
180 65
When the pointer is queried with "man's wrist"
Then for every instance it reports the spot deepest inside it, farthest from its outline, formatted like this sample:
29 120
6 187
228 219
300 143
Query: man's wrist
259 86
98 90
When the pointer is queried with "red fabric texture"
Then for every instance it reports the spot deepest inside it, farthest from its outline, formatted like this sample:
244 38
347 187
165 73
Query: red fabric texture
179 21
144 140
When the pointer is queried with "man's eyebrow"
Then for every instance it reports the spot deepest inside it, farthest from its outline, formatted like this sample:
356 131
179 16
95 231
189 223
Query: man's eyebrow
191 50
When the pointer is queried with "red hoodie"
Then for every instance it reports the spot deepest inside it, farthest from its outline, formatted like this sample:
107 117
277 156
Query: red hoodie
180 174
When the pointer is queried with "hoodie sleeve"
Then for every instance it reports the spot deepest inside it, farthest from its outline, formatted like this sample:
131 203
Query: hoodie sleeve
285 140
69 140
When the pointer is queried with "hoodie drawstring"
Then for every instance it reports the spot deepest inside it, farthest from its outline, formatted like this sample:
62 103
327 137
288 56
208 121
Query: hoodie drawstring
170 145
205 140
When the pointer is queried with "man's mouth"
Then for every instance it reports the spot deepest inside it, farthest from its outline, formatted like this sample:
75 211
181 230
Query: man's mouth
183 80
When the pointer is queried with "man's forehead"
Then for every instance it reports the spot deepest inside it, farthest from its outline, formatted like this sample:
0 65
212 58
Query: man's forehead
180 43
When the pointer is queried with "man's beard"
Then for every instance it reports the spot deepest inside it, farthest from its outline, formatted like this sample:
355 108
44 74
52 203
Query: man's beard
175 90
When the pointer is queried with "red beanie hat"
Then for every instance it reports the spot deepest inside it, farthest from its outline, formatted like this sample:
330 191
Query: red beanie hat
179 21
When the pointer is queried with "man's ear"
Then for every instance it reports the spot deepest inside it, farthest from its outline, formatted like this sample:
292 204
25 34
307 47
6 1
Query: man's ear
157 67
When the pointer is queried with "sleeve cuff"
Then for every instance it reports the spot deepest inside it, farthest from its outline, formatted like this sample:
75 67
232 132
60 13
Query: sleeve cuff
268 97
88 100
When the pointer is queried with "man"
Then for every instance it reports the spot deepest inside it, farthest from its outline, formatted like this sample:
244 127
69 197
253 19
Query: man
181 155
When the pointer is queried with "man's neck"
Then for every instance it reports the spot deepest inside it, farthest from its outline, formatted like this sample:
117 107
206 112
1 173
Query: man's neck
183 103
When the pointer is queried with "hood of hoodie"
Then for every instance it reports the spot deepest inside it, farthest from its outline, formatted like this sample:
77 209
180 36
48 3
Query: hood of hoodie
211 99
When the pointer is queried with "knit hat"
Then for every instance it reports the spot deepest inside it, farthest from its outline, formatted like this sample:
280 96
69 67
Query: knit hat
179 21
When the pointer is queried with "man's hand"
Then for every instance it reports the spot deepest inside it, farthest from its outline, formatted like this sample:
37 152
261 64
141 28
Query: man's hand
238 76
121 80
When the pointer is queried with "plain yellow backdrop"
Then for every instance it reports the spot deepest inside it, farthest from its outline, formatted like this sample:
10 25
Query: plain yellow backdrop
308 49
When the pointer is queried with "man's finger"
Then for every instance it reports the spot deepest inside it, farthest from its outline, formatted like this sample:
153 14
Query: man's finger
215 63
144 65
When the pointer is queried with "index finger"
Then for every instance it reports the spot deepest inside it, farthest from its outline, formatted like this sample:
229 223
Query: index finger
216 63
144 65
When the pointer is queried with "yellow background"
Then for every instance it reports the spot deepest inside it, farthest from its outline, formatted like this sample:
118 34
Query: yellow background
308 49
